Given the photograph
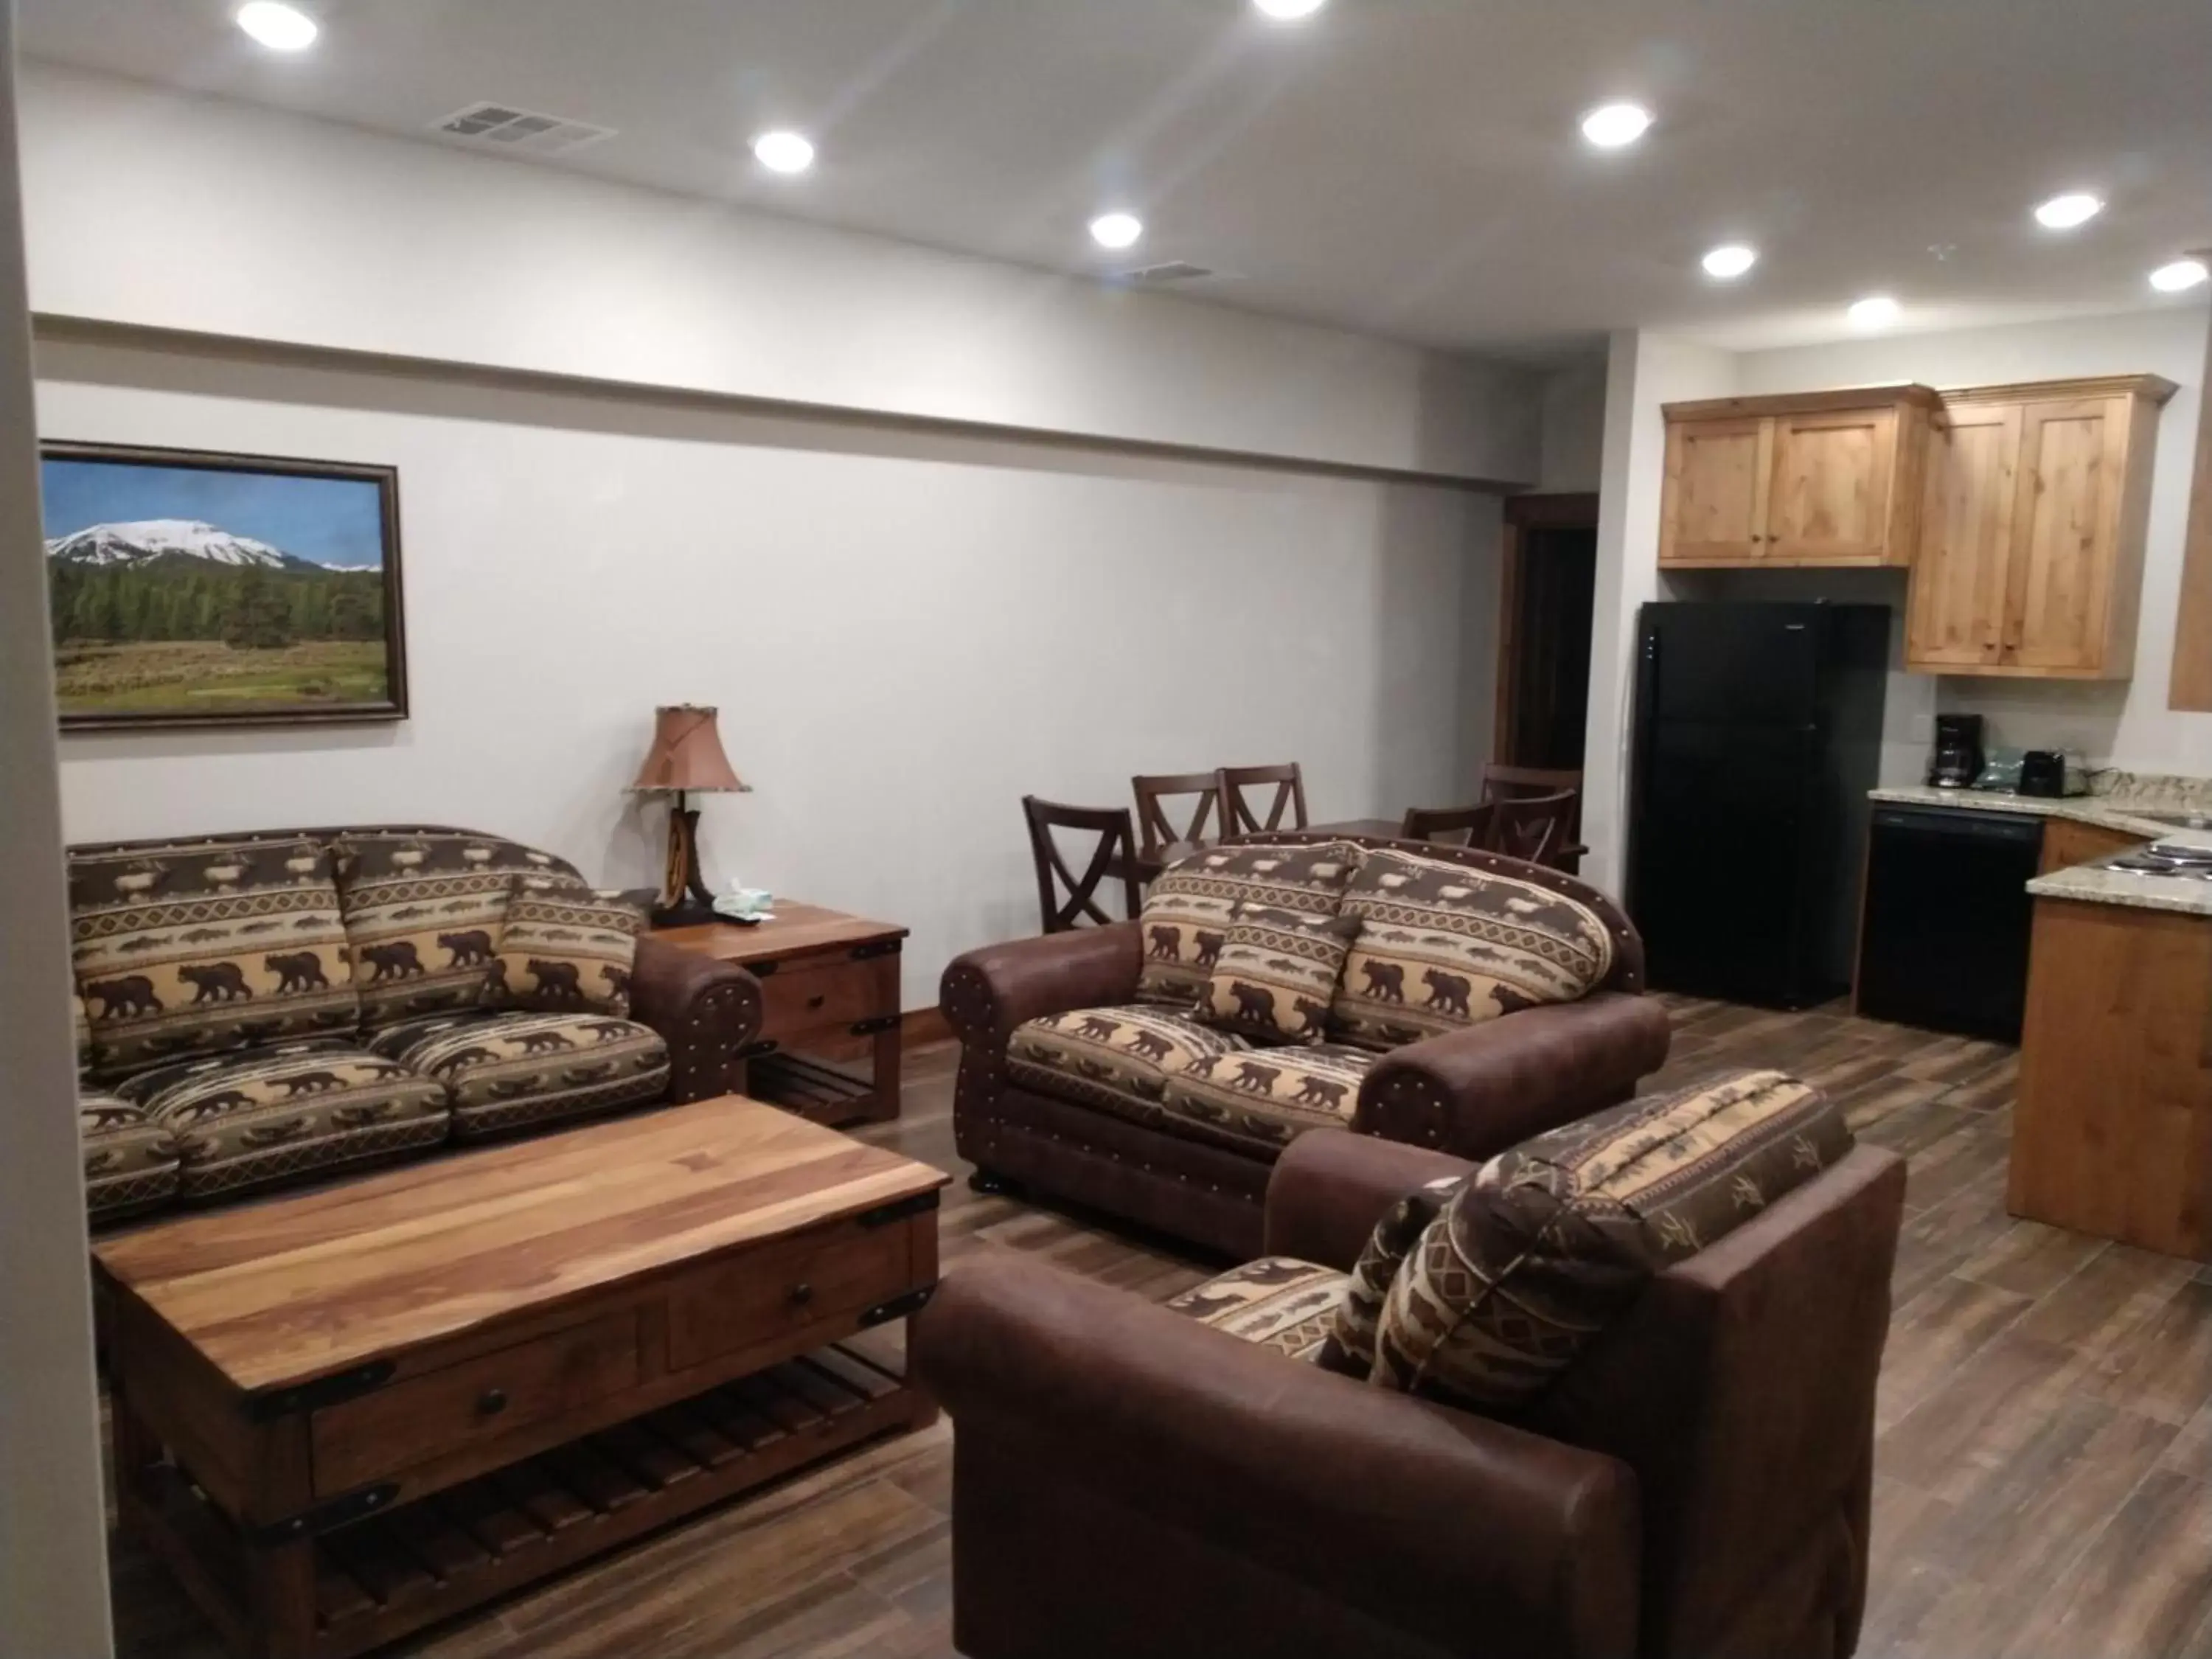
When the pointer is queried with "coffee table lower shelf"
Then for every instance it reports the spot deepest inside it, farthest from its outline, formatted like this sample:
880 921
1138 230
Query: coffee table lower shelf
380 1578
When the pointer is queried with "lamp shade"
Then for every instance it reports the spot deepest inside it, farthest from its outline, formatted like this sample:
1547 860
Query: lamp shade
687 753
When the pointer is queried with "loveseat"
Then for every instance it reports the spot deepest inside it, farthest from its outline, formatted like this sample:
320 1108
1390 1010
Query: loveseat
1480 1001
257 1011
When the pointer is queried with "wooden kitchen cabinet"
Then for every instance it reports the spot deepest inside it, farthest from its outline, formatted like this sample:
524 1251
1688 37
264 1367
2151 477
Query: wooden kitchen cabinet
1829 478
2032 530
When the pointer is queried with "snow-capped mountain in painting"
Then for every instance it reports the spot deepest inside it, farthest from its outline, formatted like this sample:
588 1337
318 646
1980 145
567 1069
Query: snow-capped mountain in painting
147 540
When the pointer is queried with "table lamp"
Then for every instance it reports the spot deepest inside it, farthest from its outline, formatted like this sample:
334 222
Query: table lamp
687 756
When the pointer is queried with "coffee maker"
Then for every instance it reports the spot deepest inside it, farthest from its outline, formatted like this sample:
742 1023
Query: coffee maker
1957 760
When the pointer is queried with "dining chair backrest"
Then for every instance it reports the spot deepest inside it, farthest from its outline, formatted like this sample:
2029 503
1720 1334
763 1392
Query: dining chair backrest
1154 827
1115 855
1533 828
1290 798
1462 826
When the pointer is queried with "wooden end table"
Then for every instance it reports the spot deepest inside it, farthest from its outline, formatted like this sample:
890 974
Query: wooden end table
826 978
342 1416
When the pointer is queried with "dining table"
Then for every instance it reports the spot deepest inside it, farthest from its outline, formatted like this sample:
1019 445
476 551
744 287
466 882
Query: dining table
1151 861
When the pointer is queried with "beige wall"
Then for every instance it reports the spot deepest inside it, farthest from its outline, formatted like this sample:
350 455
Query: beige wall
53 1580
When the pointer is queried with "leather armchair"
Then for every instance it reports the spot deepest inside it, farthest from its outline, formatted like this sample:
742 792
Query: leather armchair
1473 1092
1126 1480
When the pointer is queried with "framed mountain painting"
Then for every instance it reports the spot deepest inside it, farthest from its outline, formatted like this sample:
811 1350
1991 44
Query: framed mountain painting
193 589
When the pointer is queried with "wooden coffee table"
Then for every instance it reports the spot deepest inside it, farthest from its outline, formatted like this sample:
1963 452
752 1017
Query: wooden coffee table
341 1416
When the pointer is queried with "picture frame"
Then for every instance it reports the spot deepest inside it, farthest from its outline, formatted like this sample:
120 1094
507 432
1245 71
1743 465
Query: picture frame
191 589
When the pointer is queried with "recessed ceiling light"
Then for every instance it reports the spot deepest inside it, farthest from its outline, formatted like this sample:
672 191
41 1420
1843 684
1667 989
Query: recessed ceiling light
1730 261
1289 10
783 152
277 27
1875 311
1611 125
1116 229
2181 274
2064 212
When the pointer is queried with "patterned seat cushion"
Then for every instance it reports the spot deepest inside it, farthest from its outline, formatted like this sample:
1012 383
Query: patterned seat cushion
566 949
1187 911
1118 1060
206 947
1277 1302
271 1116
506 1071
129 1162
423 913
1550 1243
1261 1100
1442 945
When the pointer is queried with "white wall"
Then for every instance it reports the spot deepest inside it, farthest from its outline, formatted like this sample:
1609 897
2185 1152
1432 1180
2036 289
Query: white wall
906 631
53 1577
2126 724
1570 455
151 208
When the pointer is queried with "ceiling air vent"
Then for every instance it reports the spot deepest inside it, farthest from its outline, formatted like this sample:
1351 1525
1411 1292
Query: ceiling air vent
500 126
1173 271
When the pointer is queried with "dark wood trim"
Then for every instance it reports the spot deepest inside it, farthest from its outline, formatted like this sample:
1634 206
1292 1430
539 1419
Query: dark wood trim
1575 511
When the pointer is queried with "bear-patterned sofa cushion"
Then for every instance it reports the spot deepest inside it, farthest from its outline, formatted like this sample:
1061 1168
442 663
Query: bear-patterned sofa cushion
1188 909
423 913
1277 1302
1444 946
1550 1242
1275 974
509 1071
1260 1101
203 946
129 1161
1118 1060
271 1116
565 949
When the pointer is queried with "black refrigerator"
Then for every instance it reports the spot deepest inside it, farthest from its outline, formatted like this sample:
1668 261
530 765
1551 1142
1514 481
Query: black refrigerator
1758 735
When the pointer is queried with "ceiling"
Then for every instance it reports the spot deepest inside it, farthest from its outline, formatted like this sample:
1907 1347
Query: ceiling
1409 167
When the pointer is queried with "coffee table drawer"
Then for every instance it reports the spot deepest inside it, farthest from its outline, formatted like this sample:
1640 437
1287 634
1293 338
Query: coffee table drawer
424 1419
783 1288
832 998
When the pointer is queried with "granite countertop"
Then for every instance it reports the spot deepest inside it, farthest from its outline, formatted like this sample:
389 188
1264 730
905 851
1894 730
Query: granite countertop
2117 804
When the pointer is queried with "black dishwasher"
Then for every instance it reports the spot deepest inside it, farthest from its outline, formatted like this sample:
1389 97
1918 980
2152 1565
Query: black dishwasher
1944 940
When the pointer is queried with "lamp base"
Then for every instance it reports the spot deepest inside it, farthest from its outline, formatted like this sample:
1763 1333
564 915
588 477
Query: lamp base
688 912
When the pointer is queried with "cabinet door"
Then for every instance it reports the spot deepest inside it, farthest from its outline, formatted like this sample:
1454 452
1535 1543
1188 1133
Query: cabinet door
2066 529
1716 491
1956 616
1828 502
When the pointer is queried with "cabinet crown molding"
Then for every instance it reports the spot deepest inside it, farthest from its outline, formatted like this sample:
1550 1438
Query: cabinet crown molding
2156 387
1806 403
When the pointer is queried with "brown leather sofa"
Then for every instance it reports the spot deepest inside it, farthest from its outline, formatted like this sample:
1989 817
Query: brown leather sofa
1696 1485
1473 1092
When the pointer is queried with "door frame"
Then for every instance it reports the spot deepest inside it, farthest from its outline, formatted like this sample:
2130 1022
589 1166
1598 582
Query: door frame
1575 510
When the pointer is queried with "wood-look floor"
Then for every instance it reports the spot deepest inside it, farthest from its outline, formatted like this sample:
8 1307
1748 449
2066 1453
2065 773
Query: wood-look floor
2045 1469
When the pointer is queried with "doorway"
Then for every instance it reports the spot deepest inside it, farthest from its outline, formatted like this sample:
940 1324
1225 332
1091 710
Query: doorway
1549 586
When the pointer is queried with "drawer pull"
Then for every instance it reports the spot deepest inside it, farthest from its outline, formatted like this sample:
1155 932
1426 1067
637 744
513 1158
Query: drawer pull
816 1002
491 1402
801 1294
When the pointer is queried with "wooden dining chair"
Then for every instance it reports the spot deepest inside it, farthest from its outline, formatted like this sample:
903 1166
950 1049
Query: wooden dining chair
1461 826
1533 828
1237 817
1155 830
1113 856
1519 782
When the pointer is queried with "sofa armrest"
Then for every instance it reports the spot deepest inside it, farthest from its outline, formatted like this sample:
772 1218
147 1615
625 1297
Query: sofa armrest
1330 1188
706 1011
988 992
1478 1092
1427 1519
